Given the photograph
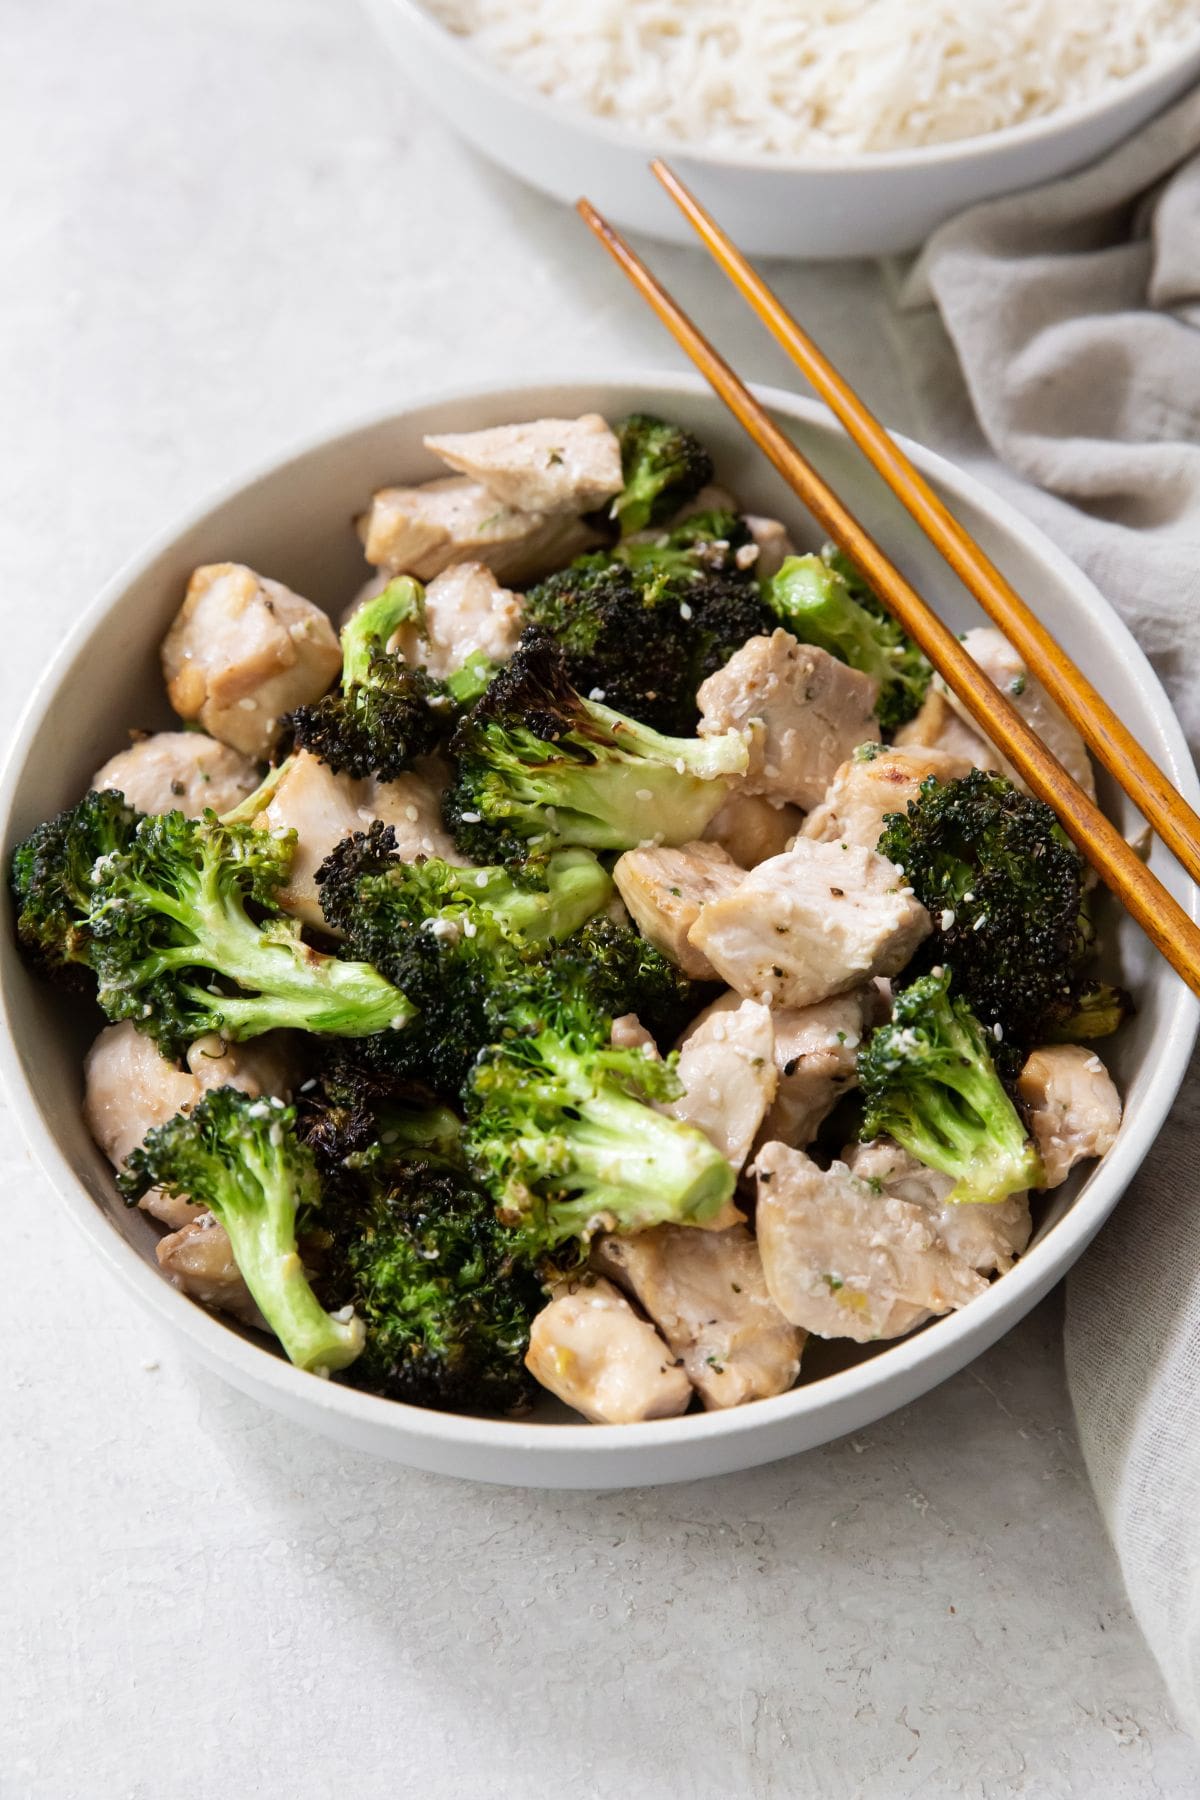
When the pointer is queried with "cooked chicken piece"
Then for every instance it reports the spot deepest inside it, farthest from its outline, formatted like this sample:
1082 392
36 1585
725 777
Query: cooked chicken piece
803 711
130 1087
466 610
664 890
590 1348
711 498
867 788
727 1067
936 726
750 828
706 1293
843 1261
988 1238
180 771
773 542
1073 1105
322 808
818 920
199 1260
628 1033
422 530
243 652
546 466
816 1055
997 658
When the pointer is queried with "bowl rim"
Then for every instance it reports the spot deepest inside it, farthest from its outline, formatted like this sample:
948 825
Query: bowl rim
920 157
256 1366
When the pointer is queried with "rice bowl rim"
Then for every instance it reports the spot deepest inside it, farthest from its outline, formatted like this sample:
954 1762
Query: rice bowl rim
952 150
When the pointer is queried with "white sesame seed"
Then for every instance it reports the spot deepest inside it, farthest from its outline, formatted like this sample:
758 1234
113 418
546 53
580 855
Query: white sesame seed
481 880
471 818
248 705
685 611
411 813
597 693
947 918
644 794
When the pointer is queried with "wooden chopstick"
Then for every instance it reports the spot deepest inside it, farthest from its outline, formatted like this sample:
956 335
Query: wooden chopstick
1112 744
1119 867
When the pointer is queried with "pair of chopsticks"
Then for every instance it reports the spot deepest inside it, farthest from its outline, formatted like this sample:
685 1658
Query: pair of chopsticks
1115 861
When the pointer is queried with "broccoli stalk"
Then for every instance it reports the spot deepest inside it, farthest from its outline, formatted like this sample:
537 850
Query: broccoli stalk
241 1158
929 1082
162 919
380 719
535 761
662 466
817 605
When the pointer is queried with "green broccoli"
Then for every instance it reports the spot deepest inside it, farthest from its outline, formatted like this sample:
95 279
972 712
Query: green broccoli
1005 888
181 927
813 599
662 465
559 1124
241 1158
380 719
714 542
353 1116
448 937
535 762
928 1081
54 874
619 971
1087 1009
444 1290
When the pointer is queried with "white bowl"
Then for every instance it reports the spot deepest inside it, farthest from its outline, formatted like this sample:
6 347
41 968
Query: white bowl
807 207
293 521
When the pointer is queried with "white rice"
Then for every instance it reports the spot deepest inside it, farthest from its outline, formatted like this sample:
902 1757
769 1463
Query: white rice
803 77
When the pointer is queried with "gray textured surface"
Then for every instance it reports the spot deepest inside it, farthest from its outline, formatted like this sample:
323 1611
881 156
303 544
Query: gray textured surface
230 226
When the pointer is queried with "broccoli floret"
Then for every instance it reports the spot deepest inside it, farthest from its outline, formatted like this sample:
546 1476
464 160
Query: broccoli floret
928 1081
380 719
355 1117
535 761
662 466
1005 888
242 1159
818 606
442 1287
620 972
448 937
642 632
558 1123
1087 1010
164 923
53 875
703 543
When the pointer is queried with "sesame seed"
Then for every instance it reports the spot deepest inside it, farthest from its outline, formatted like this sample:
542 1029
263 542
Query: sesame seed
685 611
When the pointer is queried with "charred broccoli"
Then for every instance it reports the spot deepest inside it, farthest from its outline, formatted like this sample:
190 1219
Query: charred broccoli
242 1159
536 763
662 467
168 921
441 1286
380 718
715 542
1005 888
816 603
928 1081
353 1116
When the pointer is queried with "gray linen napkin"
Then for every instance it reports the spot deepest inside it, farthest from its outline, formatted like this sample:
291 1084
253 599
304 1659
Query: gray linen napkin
1074 316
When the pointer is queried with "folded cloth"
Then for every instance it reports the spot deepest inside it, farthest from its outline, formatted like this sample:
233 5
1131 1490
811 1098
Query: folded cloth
1074 315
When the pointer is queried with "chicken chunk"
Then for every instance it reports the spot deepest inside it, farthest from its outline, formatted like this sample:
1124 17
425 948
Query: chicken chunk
466 611
816 921
664 890
802 710
816 1059
773 542
727 1067
867 788
199 1260
590 1348
243 652
706 1293
988 1238
130 1087
546 466
180 771
843 1261
628 1033
936 726
422 530
997 658
1073 1105
750 828
322 808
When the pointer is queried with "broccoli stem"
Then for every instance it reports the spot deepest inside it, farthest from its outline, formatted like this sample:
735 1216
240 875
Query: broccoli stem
369 631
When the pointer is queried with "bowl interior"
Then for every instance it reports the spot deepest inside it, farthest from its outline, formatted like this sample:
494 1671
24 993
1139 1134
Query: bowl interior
295 522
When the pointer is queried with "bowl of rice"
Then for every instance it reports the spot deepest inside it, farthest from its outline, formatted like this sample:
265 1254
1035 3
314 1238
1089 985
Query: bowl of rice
814 128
